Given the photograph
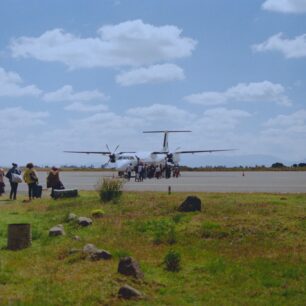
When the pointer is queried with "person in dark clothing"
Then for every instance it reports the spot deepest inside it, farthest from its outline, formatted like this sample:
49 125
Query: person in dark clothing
13 182
2 185
168 171
53 180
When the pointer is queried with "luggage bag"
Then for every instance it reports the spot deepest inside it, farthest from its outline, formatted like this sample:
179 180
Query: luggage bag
37 191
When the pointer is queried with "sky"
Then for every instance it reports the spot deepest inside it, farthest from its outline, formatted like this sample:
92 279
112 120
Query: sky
77 75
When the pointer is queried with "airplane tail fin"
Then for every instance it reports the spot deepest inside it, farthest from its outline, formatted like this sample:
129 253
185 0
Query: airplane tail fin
165 141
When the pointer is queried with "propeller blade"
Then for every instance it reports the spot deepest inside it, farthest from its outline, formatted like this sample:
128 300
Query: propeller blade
108 148
116 148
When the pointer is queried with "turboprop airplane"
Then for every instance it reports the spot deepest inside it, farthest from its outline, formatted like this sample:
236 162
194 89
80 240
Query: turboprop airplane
121 160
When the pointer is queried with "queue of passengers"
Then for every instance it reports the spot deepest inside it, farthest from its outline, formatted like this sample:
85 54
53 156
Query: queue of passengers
143 171
31 179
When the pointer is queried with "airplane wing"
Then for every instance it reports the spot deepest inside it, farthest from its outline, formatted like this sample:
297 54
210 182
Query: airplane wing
193 151
159 152
203 151
89 152
97 152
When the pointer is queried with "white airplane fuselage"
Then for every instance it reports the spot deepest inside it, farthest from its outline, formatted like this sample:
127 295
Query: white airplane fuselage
132 159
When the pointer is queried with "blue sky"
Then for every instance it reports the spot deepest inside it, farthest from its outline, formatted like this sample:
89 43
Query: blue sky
79 74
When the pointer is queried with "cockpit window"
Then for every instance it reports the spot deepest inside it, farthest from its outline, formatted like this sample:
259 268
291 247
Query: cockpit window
125 157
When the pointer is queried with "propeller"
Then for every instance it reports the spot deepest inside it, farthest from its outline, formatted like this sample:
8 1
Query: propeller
112 155
170 155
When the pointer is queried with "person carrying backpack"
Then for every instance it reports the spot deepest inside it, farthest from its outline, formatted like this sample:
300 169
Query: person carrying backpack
31 179
14 177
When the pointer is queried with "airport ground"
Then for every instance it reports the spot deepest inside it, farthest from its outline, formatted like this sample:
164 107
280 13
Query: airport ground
226 181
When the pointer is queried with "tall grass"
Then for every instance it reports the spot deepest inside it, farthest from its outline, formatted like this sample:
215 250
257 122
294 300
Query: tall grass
110 189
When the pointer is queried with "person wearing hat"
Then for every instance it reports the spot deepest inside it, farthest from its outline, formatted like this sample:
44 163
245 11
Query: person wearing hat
53 180
2 185
14 178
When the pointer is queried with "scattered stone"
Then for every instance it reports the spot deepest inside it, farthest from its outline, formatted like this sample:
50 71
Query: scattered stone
100 254
57 230
83 221
72 217
129 266
128 292
89 248
77 238
191 203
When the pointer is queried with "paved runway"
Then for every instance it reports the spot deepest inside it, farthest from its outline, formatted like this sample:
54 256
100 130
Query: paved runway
278 181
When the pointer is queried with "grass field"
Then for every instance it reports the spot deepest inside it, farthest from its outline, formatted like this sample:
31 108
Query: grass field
242 249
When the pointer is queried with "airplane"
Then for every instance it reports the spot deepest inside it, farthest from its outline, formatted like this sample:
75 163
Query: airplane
122 160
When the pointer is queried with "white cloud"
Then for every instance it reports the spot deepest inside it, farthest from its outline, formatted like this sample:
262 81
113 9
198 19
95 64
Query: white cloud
160 112
285 6
66 93
285 134
15 118
126 129
152 74
290 48
290 121
131 43
220 119
10 85
251 92
107 123
81 107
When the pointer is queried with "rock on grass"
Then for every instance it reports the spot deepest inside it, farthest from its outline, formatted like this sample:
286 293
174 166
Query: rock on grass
57 230
128 292
129 266
191 203
83 221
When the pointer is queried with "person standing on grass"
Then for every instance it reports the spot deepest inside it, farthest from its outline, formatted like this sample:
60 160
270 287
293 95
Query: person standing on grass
2 185
53 180
31 179
14 178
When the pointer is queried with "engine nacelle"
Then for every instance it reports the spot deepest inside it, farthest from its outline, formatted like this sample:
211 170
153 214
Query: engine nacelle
173 158
112 158
170 158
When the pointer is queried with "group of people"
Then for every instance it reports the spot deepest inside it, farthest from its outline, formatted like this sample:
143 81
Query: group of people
143 171
15 177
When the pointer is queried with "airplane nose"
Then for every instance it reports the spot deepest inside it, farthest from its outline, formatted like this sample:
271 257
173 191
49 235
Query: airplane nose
121 165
